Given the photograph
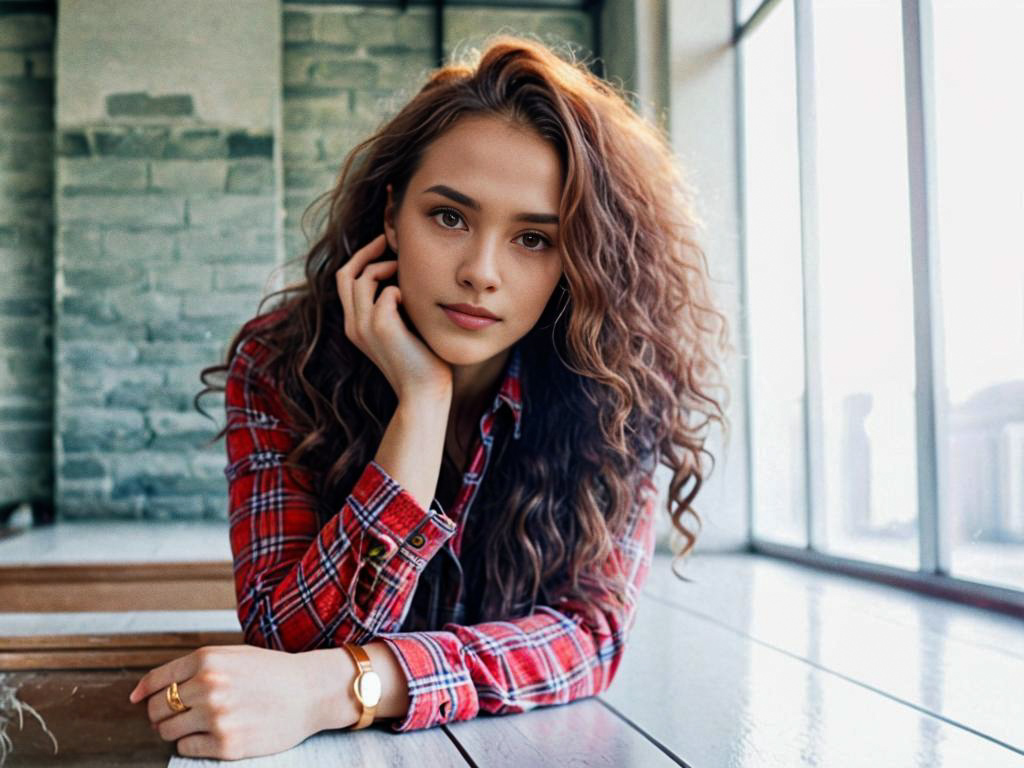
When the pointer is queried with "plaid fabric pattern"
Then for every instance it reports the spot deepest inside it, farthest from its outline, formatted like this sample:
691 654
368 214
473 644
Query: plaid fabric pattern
383 568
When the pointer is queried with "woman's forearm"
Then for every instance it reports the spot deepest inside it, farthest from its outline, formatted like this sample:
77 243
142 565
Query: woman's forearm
410 452
331 672
413 445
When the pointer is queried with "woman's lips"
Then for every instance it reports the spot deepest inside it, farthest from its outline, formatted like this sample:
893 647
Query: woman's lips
469 322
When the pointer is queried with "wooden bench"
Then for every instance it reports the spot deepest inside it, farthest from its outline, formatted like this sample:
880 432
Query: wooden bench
117 566
86 608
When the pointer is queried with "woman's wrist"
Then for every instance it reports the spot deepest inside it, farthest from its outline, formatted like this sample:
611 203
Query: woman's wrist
328 675
412 445
394 699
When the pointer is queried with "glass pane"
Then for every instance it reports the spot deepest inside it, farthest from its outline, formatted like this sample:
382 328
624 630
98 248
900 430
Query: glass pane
979 119
866 288
774 288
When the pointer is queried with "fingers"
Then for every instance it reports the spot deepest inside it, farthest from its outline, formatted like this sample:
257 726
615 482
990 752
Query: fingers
173 728
206 745
350 272
364 256
157 708
365 287
159 678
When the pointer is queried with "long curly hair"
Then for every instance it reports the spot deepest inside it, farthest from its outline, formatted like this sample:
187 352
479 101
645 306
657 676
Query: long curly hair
619 372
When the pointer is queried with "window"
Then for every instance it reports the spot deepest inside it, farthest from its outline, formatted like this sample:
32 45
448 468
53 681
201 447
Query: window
979 122
884 268
865 289
775 289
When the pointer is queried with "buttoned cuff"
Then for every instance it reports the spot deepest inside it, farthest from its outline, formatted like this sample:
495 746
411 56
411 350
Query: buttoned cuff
440 688
389 521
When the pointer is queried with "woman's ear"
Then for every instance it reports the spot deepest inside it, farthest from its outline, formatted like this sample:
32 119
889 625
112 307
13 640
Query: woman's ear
390 234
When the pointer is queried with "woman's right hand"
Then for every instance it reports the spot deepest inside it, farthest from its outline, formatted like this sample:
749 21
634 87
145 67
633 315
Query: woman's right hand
379 331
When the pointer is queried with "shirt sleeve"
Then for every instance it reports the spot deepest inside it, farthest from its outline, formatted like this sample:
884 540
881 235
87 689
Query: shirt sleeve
559 653
300 585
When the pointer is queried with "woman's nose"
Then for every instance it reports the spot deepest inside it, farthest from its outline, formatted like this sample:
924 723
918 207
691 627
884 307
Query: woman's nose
479 268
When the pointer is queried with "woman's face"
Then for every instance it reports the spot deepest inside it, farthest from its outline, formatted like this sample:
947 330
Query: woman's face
461 236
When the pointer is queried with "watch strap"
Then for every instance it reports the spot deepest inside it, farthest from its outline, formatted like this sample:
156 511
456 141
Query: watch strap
362 660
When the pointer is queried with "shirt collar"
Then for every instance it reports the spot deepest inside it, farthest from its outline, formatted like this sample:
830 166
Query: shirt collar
511 391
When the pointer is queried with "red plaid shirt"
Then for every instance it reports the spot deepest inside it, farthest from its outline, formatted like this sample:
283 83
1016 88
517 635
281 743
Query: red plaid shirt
383 568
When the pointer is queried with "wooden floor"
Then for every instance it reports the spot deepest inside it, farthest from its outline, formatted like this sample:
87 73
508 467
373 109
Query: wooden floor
758 662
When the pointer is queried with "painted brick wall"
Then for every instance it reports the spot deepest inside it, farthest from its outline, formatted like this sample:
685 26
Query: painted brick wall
26 248
164 225
167 228
150 204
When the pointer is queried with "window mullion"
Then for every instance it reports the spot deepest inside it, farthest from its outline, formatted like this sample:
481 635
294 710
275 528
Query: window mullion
934 522
808 148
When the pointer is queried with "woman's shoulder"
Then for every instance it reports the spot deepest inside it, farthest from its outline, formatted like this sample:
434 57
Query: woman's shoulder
252 336
250 355
255 326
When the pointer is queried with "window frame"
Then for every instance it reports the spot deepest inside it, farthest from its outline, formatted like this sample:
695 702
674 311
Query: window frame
934 574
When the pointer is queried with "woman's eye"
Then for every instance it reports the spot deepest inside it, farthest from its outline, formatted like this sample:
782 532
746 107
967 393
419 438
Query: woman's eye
537 238
446 212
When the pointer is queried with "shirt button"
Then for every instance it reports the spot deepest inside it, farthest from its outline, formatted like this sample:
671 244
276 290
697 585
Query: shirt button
376 552
418 540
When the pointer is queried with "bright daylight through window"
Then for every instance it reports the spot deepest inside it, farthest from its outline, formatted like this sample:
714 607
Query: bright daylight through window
835 305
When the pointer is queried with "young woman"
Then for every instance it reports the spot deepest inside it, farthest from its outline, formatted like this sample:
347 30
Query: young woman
441 445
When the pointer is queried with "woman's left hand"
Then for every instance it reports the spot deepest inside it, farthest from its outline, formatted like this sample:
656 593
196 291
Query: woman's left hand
243 701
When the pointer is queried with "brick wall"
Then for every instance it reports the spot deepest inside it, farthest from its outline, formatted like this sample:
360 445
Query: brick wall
166 235
167 229
26 255
163 206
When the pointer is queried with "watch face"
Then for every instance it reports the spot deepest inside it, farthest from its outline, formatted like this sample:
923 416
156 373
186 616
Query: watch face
368 688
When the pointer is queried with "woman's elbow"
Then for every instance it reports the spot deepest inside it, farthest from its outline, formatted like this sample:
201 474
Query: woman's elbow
613 648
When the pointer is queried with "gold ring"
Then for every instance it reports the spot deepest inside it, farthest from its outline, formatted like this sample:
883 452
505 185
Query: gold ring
173 699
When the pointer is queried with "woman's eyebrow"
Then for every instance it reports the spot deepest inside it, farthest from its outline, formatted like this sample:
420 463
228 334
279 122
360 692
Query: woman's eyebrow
458 197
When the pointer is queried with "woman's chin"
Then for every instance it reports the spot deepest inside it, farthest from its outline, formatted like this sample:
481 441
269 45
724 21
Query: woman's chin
456 351
461 353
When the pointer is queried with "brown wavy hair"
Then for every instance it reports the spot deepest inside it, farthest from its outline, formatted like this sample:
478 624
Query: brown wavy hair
619 371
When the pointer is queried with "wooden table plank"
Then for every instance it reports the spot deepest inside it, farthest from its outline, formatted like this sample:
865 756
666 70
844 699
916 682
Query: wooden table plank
102 542
371 746
13 625
717 698
49 641
964 664
735 574
582 732
88 722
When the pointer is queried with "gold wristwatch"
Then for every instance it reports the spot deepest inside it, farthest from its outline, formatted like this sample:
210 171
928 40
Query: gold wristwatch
367 685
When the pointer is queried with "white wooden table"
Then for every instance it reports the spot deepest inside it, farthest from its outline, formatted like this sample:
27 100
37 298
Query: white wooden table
759 663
